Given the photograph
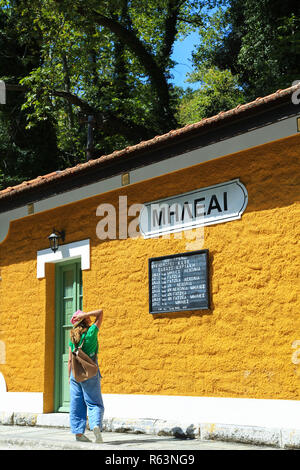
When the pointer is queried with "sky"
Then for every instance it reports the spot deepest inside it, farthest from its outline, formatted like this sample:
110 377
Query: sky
182 54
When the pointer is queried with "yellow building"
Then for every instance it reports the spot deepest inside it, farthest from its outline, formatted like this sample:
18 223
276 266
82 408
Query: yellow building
232 358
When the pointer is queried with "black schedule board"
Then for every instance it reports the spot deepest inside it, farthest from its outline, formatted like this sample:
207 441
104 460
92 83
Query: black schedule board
179 282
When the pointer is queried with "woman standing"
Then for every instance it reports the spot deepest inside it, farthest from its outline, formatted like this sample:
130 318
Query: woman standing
85 397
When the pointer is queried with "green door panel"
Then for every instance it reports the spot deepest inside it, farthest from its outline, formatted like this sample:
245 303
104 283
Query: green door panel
68 287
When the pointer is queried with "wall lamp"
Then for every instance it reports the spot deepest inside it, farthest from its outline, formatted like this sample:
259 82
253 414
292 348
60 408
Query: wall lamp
54 239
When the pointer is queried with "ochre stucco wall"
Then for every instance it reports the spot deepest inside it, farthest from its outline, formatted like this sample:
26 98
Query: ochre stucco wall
242 347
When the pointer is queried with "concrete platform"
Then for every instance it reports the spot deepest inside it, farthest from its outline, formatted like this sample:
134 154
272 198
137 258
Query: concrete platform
52 438
55 423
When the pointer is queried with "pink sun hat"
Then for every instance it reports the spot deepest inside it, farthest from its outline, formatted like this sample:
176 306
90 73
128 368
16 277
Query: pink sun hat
74 320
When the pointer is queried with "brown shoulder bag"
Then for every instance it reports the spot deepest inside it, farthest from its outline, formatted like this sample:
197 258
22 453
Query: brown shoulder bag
83 367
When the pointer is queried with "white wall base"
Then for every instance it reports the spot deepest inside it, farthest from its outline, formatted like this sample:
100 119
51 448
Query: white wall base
193 410
24 402
181 409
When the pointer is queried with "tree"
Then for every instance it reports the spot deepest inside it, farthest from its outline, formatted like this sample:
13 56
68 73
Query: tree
24 153
259 42
247 49
110 59
218 91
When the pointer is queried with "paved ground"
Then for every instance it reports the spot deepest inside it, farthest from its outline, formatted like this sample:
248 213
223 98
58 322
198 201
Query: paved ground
40 438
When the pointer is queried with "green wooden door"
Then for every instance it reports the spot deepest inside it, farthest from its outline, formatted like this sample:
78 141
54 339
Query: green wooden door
68 286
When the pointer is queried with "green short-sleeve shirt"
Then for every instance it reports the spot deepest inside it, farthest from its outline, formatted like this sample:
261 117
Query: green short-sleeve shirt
90 346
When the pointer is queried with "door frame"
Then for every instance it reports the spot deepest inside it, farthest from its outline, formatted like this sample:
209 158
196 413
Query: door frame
58 333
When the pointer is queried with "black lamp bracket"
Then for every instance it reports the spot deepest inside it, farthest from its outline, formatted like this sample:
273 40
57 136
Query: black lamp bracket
61 234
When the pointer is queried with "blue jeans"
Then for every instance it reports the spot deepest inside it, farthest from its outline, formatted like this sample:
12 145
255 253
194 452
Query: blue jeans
85 399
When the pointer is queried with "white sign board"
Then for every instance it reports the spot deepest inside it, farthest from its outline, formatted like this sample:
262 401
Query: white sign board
212 205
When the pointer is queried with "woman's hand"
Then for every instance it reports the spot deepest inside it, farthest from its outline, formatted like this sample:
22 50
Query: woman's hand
81 316
95 313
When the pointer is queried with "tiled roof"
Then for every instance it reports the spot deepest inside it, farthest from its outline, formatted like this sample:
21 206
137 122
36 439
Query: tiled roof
191 129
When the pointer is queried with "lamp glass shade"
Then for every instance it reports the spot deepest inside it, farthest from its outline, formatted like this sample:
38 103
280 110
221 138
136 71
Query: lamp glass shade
53 241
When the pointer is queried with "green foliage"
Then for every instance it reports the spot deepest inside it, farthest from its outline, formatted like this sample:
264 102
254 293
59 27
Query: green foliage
108 58
218 91
247 48
112 59
24 153
258 40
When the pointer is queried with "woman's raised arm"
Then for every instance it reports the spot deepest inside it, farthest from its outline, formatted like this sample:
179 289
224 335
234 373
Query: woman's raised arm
99 316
